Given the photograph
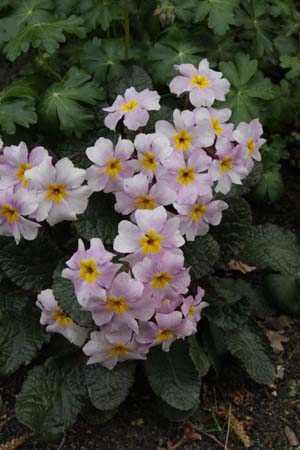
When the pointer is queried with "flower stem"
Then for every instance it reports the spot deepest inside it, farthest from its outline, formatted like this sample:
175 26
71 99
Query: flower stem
126 28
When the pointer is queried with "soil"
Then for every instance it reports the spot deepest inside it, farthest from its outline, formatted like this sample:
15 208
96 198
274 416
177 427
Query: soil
264 417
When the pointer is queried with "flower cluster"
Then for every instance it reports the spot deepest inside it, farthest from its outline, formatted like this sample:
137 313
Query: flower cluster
135 310
167 182
182 165
32 190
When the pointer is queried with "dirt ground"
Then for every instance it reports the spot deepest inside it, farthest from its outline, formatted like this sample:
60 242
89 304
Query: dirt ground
261 417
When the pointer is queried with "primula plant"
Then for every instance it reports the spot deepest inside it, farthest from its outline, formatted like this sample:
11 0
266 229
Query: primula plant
94 293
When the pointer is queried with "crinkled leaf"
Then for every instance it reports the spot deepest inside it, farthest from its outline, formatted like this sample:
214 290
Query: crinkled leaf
52 396
30 264
232 231
135 76
248 88
271 247
21 336
99 220
229 317
220 13
173 377
63 102
64 293
252 349
109 388
199 357
201 255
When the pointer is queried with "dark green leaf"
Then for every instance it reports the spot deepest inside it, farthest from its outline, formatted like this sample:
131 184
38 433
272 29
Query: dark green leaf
201 255
283 291
21 336
271 247
52 396
248 345
99 220
293 64
173 377
31 264
66 298
173 414
109 388
233 230
199 357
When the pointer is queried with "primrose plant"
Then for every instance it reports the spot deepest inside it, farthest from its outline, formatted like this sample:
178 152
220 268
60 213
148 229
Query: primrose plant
169 183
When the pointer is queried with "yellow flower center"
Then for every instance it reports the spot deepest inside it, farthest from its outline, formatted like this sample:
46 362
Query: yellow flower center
186 175
10 213
216 126
166 301
197 212
149 161
20 173
56 192
151 242
182 140
61 318
192 310
164 335
89 270
129 106
119 349
117 305
160 280
226 164
200 81
145 202
251 147
113 167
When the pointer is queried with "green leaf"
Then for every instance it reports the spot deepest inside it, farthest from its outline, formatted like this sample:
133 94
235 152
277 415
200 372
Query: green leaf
104 59
283 291
232 233
46 35
52 396
252 349
257 27
199 357
164 55
201 255
65 296
63 102
30 265
100 12
17 106
173 414
293 64
99 220
21 335
109 388
270 186
229 317
135 76
271 247
249 88
173 377
220 13
94 416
